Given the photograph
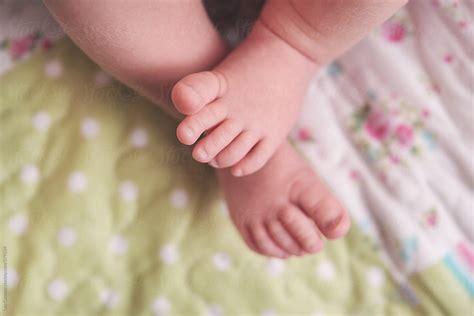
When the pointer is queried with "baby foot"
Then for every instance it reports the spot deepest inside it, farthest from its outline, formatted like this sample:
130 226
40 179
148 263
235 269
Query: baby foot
283 213
246 105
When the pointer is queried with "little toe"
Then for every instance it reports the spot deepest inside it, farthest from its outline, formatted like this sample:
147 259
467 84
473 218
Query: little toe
302 228
264 243
193 126
236 150
195 91
219 138
328 214
255 159
248 239
283 239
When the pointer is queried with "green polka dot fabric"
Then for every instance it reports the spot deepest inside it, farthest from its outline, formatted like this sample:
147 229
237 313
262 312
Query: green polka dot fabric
104 213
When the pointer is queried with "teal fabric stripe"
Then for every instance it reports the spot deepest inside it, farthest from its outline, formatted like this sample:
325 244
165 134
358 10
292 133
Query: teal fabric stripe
458 272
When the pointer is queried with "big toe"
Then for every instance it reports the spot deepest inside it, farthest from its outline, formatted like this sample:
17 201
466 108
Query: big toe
326 211
195 91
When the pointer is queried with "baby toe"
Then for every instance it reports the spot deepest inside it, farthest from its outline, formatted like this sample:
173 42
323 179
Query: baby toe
283 239
339 226
247 237
301 228
328 214
193 126
255 159
195 91
236 150
264 243
219 138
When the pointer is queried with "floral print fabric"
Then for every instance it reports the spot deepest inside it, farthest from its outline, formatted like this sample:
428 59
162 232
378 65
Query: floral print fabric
388 124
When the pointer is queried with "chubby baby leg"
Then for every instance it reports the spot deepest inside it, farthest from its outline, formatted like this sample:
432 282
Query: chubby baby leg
146 44
322 30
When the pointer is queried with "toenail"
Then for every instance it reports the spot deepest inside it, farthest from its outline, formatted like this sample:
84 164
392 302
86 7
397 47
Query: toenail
188 132
238 172
333 223
201 154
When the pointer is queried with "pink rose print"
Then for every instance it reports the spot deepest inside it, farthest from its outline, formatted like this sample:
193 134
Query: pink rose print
21 46
354 174
448 58
304 134
395 159
46 44
393 31
431 218
426 113
404 134
377 125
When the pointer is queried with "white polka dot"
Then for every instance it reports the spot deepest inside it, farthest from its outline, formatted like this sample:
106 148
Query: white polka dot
161 306
11 278
118 245
169 254
375 277
18 224
326 270
139 137
77 182
89 127
101 79
58 290
66 236
268 313
109 297
179 198
29 174
275 266
222 261
53 69
41 121
128 191
214 310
